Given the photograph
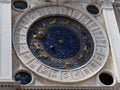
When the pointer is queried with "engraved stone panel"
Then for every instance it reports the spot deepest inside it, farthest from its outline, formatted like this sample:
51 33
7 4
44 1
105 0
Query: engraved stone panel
20 39
76 14
55 74
34 64
85 20
25 22
76 74
21 30
92 26
27 57
22 49
66 75
45 71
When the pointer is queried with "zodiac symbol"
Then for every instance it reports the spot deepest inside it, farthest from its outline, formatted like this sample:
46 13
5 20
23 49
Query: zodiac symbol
51 59
85 38
85 48
53 22
43 56
40 32
75 27
65 23
80 57
36 45
66 64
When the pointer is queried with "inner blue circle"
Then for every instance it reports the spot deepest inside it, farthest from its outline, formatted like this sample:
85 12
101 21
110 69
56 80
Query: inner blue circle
68 48
60 42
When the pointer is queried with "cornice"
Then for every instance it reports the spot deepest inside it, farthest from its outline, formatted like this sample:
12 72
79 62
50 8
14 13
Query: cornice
5 1
106 4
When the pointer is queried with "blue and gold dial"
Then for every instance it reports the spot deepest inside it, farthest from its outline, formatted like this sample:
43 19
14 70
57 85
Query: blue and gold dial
60 42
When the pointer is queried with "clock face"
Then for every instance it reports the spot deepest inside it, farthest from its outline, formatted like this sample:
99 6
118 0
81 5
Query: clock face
60 43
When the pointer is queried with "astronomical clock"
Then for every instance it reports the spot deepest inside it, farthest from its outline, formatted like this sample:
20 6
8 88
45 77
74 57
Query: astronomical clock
63 44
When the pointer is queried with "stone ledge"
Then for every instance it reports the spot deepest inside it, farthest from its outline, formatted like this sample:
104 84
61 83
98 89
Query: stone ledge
5 1
66 88
9 85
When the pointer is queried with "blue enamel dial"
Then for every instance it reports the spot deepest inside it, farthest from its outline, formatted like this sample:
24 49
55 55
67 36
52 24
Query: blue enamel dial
60 42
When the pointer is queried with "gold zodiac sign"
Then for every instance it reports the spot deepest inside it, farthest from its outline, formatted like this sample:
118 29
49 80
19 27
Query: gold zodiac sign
69 63
40 32
51 59
36 45
46 57
53 22
62 62
65 23
80 57
75 27
66 64
43 55
85 48
85 38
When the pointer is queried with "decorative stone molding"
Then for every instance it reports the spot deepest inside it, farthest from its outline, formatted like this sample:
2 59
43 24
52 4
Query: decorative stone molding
117 0
9 85
117 87
5 1
76 1
64 88
106 4
71 1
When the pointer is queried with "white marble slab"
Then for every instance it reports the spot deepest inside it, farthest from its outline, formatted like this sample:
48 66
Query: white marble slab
5 41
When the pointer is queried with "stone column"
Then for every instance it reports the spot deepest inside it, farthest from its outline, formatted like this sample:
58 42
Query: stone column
113 33
5 40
